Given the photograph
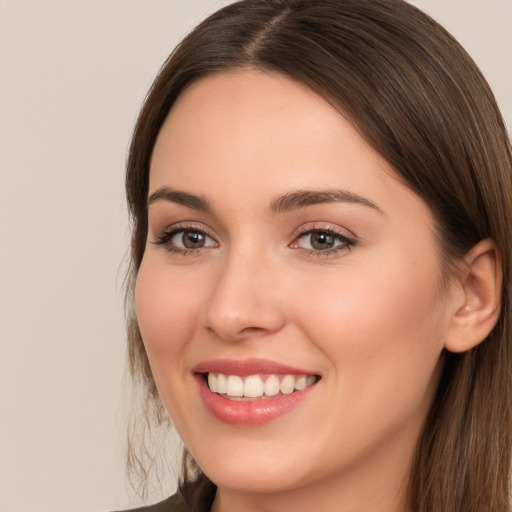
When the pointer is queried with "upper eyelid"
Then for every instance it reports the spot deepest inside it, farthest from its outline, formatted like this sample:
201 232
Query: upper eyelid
334 233
163 236
309 227
187 226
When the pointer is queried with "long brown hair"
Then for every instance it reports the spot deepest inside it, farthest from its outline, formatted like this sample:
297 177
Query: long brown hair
417 97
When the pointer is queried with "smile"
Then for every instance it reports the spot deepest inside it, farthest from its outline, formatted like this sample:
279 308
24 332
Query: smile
253 391
235 387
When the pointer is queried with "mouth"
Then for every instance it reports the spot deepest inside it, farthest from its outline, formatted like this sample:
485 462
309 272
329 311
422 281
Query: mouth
257 387
253 391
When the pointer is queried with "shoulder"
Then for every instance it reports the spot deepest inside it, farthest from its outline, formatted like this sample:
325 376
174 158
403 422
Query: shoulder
172 504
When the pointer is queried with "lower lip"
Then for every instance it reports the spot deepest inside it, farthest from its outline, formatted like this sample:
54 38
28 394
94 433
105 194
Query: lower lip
250 412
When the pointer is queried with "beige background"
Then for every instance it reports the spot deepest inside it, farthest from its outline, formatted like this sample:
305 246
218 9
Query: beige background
72 76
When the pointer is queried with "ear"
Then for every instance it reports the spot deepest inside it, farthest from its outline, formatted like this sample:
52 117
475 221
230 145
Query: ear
477 297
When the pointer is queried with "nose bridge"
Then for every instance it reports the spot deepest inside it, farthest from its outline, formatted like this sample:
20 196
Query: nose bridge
244 299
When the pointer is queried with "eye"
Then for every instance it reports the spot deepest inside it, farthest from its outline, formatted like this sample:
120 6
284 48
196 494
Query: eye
322 241
184 240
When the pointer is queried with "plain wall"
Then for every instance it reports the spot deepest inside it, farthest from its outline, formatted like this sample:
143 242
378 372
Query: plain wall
73 74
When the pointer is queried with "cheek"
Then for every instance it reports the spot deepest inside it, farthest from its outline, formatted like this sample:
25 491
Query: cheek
166 314
382 330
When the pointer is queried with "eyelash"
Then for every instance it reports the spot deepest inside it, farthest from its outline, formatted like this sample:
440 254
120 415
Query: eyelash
167 235
164 239
345 245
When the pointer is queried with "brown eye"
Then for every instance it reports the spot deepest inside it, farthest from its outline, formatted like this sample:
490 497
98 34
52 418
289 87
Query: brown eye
189 239
185 240
320 241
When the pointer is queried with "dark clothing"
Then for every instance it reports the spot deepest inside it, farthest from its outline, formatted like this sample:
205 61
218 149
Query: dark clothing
172 504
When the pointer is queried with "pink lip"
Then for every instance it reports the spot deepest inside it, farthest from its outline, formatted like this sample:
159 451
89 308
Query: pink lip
246 367
248 412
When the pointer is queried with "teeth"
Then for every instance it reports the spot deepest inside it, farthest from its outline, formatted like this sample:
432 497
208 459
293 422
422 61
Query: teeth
256 386
235 386
222 383
272 386
253 386
302 383
287 385
213 381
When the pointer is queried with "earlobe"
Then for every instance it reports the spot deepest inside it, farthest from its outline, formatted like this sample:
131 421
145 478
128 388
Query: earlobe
478 306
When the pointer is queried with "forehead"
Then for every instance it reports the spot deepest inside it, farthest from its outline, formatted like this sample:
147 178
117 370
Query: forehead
248 135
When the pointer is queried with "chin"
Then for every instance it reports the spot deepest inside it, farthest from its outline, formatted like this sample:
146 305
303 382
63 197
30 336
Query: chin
247 479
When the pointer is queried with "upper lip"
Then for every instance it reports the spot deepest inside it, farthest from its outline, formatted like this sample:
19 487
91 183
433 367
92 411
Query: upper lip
247 367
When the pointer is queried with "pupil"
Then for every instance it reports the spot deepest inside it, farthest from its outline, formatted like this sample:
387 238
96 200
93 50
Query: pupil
322 241
193 240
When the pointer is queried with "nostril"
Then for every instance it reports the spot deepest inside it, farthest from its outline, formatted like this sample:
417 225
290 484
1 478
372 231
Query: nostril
252 330
235 330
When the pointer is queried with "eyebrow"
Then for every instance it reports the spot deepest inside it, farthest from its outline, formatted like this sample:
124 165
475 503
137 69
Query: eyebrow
291 201
305 198
180 197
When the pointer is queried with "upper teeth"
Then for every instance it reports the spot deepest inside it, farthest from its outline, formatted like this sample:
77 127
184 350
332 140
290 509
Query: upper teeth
254 386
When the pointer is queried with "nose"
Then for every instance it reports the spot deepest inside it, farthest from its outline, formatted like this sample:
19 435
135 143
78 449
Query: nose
245 300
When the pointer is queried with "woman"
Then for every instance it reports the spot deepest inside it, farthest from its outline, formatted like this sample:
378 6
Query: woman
321 196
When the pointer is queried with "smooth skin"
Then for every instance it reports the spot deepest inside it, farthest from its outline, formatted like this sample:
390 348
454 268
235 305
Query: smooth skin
345 285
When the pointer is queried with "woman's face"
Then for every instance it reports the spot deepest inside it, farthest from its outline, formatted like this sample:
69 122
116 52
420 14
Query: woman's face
283 254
